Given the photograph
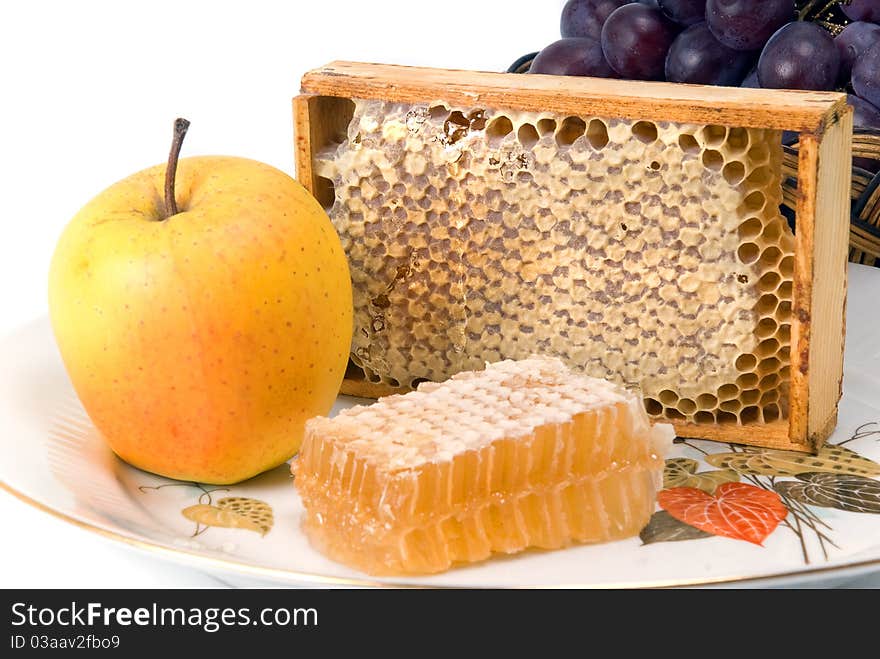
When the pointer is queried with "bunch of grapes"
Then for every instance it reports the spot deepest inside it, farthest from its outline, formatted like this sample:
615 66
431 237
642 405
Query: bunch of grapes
773 44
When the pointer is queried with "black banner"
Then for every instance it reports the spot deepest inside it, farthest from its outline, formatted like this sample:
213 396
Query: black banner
387 622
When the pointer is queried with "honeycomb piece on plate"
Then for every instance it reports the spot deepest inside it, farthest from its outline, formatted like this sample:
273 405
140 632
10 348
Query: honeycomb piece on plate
652 254
522 454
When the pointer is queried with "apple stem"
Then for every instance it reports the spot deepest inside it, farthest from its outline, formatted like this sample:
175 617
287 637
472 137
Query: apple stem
180 128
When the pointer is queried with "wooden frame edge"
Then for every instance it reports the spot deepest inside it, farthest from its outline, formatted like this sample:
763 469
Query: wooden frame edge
830 247
801 111
302 141
802 300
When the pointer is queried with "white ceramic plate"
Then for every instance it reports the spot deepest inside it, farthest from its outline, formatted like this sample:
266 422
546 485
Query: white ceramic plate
52 457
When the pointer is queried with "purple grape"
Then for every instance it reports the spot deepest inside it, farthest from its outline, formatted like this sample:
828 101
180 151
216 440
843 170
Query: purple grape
865 115
751 80
747 24
862 10
799 56
855 39
654 4
585 18
866 75
698 58
573 57
684 12
635 40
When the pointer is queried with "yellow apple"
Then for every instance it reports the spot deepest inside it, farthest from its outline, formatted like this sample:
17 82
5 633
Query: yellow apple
201 331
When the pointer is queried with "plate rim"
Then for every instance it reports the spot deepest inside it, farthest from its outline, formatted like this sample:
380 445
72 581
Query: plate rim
279 576
195 558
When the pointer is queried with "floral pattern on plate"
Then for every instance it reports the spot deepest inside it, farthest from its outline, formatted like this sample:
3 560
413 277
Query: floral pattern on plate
752 492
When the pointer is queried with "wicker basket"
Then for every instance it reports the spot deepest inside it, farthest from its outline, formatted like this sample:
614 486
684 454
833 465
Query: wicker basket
864 237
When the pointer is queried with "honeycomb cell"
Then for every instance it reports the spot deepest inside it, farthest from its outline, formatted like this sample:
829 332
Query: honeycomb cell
668 398
527 136
644 131
768 381
769 281
767 304
770 257
712 159
707 401
784 334
750 414
651 254
768 365
688 144
786 267
438 112
728 392
653 407
755 201
748 252
726 417
767 348
597 134
767 327
759 153
570 130
772 233
747 380
751 228
738 140
546 126
734 172
759 177
498 129
714 135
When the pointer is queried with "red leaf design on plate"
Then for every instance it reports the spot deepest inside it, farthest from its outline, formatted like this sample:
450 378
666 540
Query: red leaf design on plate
735 510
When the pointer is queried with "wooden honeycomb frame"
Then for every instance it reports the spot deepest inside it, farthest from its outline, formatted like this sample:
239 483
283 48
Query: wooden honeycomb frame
822 120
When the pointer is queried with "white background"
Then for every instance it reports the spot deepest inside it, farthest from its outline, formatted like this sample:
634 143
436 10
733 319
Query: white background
89 92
